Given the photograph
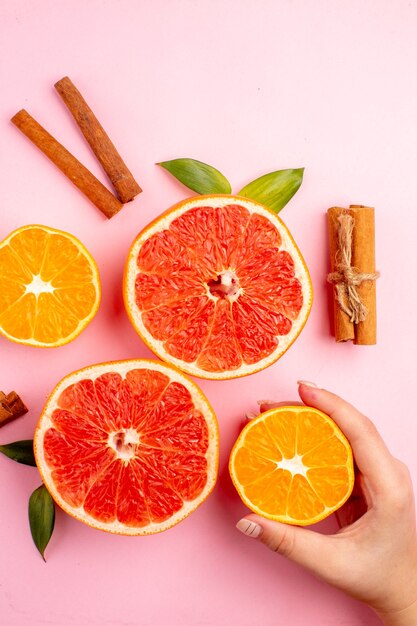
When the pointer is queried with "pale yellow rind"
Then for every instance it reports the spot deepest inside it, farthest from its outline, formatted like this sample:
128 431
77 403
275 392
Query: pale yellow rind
122 367
95 281
240 442
163 222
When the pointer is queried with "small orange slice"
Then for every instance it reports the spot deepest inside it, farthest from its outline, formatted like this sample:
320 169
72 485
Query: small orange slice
49 286
292 464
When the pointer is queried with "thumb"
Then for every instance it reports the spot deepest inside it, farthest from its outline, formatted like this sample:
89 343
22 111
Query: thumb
317 553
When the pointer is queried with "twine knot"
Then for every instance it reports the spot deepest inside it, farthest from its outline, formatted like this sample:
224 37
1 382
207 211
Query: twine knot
347 278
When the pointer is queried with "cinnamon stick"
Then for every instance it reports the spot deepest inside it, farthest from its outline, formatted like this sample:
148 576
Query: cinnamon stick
5 415
79 175
11 407
121 178
352 253
343 327
363 259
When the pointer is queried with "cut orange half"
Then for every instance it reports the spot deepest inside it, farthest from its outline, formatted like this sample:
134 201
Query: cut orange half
292 464
49 286
129 447
217 287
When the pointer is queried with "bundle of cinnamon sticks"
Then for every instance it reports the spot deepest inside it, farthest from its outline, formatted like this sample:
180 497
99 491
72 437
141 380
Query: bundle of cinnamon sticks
353 274
121 178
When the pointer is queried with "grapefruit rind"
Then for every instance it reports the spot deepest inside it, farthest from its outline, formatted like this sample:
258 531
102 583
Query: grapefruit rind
95 281
286 519
121 367
163 222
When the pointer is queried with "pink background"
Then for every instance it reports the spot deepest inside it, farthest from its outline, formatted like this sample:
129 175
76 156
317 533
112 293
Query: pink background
248 86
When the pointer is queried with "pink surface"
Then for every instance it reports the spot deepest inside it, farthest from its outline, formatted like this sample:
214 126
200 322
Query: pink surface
248 87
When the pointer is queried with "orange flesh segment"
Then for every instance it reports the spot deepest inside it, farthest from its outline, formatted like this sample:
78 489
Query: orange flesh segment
165 464
172 287
294 465
271 491
29 247
12 267
302 501
51 315
19 318
282 429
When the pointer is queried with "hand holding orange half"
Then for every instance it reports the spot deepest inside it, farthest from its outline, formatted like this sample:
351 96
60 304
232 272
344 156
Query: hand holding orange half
374 558
292 464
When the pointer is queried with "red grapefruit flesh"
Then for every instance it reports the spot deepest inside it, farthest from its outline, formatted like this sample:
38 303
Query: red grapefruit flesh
217 287
129 447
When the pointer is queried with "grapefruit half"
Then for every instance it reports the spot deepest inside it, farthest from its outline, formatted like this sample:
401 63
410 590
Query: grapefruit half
217 286
129 447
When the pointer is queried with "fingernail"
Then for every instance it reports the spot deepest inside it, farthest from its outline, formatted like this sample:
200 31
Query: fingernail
307 383
266 402
250 415
249 528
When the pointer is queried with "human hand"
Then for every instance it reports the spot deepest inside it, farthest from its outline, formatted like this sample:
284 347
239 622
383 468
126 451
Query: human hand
374 557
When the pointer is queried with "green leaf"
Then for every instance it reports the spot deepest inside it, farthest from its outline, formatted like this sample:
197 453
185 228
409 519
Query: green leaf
41 517
275 189
197 176
20 451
